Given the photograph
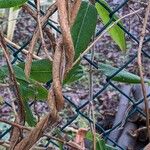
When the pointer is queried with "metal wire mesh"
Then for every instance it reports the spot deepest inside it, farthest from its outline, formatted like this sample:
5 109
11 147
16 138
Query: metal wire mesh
108 83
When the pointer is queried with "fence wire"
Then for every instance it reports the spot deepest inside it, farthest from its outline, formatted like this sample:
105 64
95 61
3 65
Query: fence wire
108 83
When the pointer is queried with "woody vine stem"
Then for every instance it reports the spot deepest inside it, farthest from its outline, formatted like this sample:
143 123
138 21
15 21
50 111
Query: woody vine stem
141 69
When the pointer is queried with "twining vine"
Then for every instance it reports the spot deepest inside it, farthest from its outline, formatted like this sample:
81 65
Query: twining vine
75 19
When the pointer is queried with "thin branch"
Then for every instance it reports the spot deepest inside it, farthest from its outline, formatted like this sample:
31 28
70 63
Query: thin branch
91 106
46 29
140 67
13 79
36 34
139 1
49 120
66 33
103 33
5 144
140 18
4 85
57 76
14 124
15 136
12 103
75 8
41 32
29 129
24 51
70 144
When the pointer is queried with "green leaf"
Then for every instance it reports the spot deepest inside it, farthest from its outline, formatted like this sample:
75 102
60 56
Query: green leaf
74 74
11 3
83 27
89 136
82 31
60 145
100 143
122 76
41 71
115 32
19 73
32 90
31 120
28 88
3 75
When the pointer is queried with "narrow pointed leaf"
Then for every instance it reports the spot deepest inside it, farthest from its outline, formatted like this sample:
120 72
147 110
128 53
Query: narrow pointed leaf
84 27
115 32
122 76
31 120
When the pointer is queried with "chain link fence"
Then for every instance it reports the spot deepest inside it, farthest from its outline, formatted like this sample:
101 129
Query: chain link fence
109 83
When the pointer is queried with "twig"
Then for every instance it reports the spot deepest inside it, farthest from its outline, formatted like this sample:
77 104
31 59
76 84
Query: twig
4 85
139 1
58 75
29 129
63 56
12 102
13 78
102 34
28 63
21 113
5 144
91 106
50 120
64 142
66 33
140 18
41 32
75 8
140 67
24 51
15 124
46 29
